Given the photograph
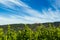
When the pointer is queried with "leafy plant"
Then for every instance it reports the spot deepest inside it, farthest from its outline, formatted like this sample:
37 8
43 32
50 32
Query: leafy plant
41 33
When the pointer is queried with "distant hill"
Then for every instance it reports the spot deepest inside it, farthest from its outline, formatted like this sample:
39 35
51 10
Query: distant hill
32 26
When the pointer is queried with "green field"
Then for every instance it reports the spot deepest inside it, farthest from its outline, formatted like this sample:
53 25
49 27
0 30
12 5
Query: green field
26 33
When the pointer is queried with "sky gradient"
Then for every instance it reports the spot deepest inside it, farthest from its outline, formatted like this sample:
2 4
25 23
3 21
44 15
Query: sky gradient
29 11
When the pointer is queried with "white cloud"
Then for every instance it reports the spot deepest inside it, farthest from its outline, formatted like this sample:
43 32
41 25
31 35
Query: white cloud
11 3
45 16
36 16
55 3
4 20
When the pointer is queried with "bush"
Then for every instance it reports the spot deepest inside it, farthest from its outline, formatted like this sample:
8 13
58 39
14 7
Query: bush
41 33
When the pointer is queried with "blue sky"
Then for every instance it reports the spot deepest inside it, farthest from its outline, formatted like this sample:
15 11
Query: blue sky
29 11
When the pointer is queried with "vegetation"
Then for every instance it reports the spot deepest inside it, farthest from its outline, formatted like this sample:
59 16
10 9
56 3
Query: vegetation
41 33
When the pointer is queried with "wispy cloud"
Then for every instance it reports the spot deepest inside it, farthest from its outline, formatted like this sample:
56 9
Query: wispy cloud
55 3
13 20
10 3
35 16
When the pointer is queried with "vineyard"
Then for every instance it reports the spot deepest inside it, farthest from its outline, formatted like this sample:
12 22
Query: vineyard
41 33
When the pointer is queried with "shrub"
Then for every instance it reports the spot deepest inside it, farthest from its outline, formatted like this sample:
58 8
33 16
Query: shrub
41 33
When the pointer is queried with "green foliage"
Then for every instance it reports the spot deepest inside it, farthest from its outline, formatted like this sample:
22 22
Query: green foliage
1 34
41 33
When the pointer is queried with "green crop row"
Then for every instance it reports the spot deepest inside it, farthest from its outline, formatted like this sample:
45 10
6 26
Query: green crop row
41 33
